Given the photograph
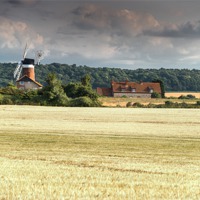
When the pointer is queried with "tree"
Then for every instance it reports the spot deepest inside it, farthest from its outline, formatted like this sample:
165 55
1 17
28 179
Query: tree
162 86
86 80
54 93
173 79
82 93
75 90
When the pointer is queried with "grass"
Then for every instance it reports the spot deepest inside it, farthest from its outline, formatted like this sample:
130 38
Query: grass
99 153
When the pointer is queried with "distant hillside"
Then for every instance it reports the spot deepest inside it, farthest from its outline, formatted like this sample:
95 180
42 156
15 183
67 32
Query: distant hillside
174 79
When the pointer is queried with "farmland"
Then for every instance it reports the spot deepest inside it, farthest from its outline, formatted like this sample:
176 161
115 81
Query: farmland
99 153
170 96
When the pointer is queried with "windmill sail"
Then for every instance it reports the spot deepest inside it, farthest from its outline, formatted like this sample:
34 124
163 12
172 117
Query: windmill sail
17 71
25 51
39 55
18 68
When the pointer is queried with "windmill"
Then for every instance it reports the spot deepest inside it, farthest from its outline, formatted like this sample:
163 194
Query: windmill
24 73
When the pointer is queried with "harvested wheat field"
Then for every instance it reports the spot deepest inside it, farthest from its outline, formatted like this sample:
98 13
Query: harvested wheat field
99 153
178 94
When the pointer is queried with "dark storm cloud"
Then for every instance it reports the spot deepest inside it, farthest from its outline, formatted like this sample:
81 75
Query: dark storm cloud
124 22
20 2
186 30
14 2
89 17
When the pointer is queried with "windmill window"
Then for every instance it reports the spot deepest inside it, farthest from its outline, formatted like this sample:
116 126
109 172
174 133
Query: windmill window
21 82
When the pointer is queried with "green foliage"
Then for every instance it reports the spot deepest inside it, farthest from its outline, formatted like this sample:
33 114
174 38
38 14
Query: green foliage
189 96
86 81
75 90
9 90
82 93
155 95
6 100
198 103
168 103
11 85
137 105
53 92
173 79
84 102
162 85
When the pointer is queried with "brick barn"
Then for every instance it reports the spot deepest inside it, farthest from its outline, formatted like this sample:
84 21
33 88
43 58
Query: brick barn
130 89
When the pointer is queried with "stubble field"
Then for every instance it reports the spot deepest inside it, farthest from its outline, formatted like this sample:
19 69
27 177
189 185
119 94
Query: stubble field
99 153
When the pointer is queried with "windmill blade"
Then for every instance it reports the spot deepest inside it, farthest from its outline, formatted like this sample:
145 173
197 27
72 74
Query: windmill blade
17 71
39 55
25 51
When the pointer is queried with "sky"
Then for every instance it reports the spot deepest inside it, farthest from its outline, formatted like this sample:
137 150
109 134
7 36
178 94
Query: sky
127 34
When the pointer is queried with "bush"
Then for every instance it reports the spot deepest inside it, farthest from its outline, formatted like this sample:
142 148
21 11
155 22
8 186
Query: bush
169 103
75 90
6 101
189 96
129 104
198 103
155 95
151 105
83 102
138 105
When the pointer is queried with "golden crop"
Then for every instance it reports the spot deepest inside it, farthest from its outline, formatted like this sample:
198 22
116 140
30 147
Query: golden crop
99 153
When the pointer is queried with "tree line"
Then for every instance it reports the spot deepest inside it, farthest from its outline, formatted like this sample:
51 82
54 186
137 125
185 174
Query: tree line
173 79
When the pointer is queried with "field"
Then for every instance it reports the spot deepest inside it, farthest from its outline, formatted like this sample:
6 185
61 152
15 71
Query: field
172 96
99 153
178 94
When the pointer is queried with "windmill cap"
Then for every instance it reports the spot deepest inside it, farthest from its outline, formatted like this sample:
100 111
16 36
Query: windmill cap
28 61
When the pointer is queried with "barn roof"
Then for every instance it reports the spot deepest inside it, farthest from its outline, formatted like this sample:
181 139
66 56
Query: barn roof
26 79
142 87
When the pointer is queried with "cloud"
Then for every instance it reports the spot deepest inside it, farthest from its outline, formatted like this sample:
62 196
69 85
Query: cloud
20 2
186 30
15 33
103 33
121 22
